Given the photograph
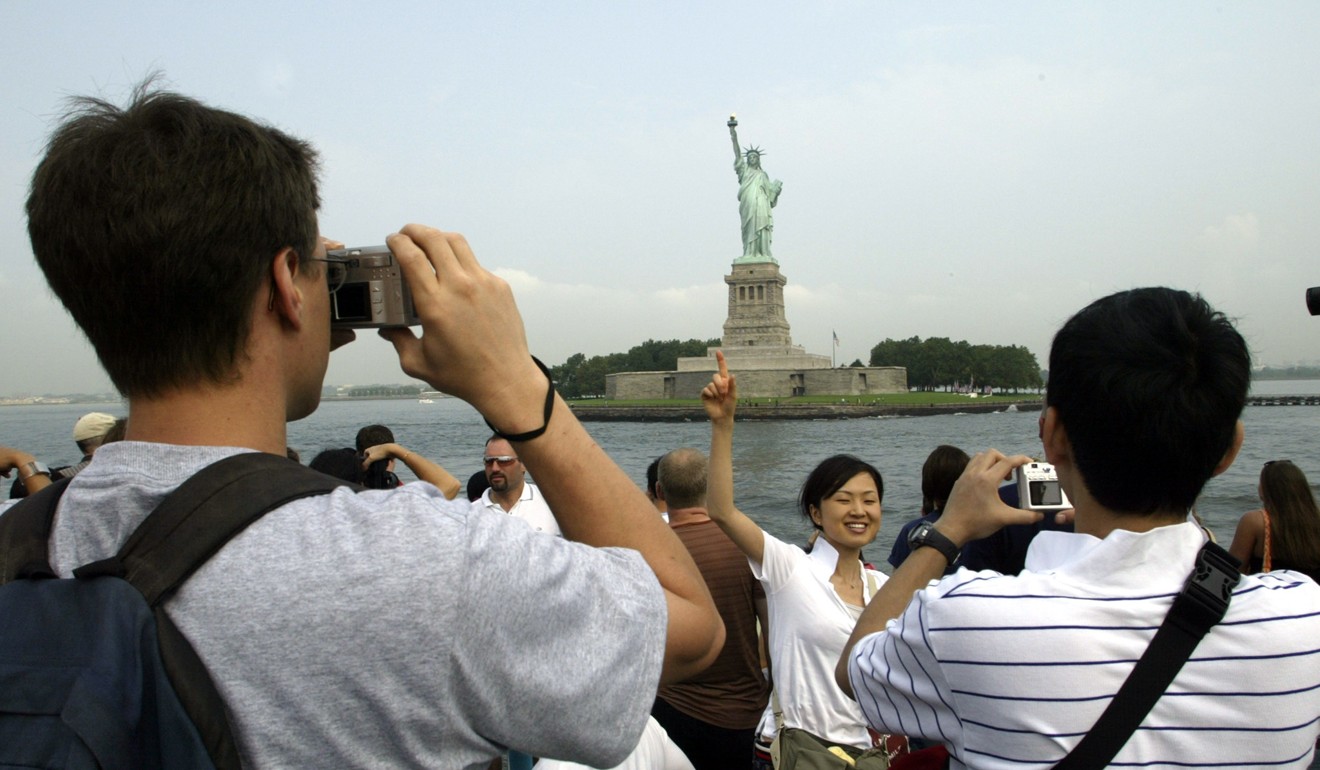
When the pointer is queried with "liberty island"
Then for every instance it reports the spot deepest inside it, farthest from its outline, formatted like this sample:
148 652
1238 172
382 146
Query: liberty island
756 340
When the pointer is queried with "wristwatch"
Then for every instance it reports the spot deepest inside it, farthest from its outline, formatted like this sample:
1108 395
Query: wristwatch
926 535
30 469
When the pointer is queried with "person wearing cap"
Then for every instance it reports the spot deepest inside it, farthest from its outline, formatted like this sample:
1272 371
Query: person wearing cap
88 433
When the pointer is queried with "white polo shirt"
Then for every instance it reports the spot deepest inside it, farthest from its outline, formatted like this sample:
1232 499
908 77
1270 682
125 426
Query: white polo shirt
530 507
809 624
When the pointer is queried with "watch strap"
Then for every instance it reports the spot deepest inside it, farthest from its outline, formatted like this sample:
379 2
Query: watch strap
928 535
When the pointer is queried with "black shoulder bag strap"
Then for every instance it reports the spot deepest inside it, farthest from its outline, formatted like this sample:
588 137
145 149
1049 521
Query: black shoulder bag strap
1201 604
188 527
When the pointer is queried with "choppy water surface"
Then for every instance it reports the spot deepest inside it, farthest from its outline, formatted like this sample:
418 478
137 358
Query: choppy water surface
770 458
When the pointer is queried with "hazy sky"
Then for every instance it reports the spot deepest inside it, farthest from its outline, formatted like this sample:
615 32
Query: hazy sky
977 171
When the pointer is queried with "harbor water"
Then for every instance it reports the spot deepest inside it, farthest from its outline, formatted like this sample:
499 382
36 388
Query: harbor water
771 459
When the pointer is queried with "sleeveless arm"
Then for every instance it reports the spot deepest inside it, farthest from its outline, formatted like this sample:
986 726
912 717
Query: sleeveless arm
720 399
1250 533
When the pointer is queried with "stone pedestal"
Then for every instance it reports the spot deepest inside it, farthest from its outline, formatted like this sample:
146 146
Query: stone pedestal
756 308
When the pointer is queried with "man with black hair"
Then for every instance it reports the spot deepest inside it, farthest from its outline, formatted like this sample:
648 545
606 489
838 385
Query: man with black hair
346 629
1145 394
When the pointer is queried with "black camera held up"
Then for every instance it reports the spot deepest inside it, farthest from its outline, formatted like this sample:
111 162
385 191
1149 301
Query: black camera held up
372 292
1313 300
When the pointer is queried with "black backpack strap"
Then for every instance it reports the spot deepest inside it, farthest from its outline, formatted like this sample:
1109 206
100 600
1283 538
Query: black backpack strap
25 534
181 534
1201 604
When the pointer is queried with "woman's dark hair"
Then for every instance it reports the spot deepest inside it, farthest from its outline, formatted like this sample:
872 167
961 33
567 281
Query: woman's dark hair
1294 518
829 477
943 467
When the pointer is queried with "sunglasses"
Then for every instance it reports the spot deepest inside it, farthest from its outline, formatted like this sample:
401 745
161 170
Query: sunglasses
503 460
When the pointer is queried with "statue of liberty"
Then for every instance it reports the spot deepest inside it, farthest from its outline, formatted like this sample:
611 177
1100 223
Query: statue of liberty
756 196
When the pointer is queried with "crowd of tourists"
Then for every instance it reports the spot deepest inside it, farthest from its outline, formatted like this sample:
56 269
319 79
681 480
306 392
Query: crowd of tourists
360 621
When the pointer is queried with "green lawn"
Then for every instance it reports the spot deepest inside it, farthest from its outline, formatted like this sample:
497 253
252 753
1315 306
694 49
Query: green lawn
895 399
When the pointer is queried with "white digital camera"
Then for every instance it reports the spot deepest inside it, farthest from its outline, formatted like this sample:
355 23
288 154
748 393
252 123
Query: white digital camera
1038 488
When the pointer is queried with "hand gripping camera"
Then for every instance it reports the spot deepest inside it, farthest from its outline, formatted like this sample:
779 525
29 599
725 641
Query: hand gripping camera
373 293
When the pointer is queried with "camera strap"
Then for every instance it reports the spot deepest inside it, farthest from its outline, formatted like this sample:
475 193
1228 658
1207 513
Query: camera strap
1198 607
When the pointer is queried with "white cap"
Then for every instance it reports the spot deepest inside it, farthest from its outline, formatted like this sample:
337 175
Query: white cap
92 425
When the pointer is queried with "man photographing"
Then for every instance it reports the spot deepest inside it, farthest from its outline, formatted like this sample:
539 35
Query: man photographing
1143 404
345 629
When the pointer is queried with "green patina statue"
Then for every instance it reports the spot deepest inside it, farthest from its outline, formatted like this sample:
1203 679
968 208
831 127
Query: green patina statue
756 196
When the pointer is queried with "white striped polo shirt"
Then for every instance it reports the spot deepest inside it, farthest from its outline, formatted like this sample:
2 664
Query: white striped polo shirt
1011 671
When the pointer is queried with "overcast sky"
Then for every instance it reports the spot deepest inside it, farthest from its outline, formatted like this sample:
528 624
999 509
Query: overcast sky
976 171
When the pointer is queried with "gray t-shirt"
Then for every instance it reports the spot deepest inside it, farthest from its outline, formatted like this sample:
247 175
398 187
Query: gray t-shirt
394 628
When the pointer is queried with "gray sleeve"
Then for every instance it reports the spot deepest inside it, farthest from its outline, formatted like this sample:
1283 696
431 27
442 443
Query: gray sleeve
564 644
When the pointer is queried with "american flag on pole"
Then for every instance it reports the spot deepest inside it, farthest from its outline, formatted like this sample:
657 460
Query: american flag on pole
836 338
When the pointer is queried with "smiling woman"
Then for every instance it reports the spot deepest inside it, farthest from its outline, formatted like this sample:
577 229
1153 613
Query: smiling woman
815 596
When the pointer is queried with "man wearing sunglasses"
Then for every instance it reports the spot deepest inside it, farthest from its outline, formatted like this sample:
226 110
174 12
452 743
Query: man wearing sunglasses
509 491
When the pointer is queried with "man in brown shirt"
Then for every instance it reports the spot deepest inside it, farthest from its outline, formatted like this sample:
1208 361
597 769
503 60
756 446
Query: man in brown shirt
713 715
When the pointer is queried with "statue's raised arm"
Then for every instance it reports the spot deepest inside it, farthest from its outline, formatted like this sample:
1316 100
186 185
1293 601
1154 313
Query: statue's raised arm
733 134
757 194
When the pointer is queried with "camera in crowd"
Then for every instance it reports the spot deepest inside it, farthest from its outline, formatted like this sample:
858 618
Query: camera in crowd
1313 300
1038 488
371 293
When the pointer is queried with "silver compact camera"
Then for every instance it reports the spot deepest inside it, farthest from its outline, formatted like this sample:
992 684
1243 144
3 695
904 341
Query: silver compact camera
1038 488
373 293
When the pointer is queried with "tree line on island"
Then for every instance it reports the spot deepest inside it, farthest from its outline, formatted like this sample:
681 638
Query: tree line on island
931 364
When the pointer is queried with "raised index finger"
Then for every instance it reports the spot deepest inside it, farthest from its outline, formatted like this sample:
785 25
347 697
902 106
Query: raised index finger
724 365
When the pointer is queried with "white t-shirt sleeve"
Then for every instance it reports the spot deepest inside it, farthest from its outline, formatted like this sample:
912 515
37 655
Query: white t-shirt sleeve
778 562
564 645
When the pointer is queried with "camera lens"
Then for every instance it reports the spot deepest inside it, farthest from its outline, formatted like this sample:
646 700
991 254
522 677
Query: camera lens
1313 300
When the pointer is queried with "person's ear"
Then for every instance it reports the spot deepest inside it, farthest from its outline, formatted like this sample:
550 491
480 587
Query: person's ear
286 296
1239 431
1054 438
814 513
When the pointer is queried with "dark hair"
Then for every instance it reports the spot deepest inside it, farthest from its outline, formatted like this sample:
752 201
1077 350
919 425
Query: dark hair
942 468
682 475
653 476
116 432
1294 518
156 226
829 477
341 463
1148 381
373 435
477 485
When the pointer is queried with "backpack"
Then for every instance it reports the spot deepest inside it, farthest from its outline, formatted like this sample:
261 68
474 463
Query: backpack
92 671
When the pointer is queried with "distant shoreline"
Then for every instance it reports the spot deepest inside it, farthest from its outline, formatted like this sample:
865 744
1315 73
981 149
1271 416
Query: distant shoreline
753 411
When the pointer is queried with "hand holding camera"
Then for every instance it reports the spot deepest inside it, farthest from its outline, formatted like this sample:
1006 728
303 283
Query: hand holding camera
974 509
